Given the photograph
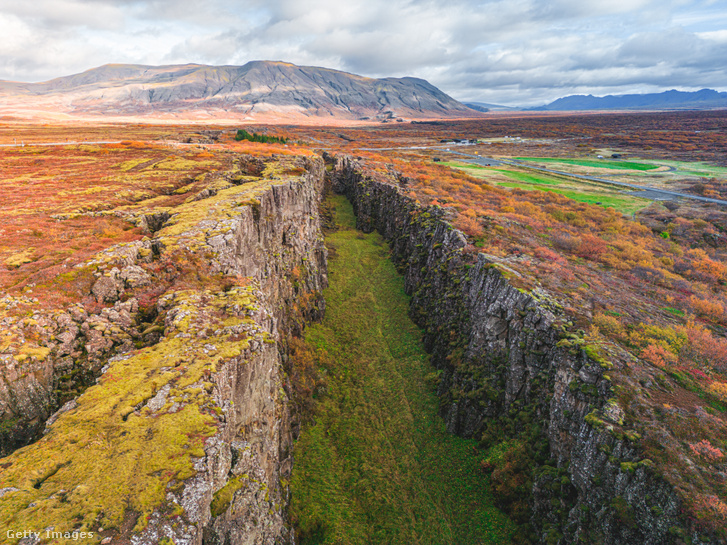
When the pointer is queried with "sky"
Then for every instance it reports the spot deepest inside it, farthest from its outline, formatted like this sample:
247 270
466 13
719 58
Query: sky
512 52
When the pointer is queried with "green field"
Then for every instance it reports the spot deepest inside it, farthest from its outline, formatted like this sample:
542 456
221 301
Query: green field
378 467
595 163
591 193
527 178
693 168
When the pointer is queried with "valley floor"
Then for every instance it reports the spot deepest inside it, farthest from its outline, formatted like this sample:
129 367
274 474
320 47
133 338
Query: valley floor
377 465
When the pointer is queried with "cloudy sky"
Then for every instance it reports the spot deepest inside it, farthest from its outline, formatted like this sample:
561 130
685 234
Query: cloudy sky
515 52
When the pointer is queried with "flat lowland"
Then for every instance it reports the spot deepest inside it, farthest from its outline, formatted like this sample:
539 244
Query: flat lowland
642 282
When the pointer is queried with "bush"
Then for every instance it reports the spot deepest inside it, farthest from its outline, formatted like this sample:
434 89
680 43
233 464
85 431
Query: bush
718 390
609 326
703 349
704 449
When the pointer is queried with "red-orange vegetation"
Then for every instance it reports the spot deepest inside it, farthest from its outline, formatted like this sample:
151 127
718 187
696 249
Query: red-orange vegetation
711 507
658 355
62 204
704 349
706 450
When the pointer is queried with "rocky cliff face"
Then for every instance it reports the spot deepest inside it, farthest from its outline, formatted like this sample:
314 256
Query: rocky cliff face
60 353
185 439
512 369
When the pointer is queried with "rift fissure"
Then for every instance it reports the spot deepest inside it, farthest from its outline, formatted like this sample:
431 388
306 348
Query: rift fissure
513 375
374 463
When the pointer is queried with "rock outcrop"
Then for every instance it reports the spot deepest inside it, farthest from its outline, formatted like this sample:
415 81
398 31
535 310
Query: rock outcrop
51 357
510 364
186 436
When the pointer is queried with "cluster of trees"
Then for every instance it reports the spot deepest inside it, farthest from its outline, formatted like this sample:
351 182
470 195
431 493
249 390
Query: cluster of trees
242 134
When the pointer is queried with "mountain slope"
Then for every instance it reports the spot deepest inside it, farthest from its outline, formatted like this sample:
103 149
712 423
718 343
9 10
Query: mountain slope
668 100
258 87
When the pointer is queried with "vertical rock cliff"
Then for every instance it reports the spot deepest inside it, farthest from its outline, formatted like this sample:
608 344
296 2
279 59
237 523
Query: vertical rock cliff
186 436
513 372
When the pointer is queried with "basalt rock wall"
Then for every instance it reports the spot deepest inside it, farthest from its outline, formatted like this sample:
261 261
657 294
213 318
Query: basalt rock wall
506 355
188 440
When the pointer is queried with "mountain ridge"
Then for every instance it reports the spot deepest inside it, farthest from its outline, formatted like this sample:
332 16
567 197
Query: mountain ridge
673 99
257 87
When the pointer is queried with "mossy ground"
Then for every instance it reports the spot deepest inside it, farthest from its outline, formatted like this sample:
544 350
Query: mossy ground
378 466
112 458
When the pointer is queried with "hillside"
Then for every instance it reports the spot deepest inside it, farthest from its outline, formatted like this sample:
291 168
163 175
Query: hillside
705 99
258 89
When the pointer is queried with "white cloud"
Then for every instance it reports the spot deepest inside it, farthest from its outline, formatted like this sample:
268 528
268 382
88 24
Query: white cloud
719 36
65 13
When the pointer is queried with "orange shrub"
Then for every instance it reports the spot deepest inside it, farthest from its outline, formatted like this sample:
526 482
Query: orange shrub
591 247
658 355
546 254
706 450
711 309
718 390
469 226
711 507
704 349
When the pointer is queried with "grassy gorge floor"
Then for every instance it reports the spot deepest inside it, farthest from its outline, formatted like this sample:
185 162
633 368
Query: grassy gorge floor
376 465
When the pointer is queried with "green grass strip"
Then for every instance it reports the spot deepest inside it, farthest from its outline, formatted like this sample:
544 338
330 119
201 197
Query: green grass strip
623 204
533 179
378 466
600 163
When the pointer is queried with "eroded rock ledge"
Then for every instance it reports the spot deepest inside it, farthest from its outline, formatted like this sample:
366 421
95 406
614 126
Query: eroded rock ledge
186 439
507 356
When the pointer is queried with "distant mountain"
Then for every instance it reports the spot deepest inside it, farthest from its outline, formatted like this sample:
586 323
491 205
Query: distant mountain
259 88
486 107
706 99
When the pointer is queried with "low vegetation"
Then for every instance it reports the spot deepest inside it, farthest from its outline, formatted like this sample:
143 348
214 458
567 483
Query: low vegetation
114 457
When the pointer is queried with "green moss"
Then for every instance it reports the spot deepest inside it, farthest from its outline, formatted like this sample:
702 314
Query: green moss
110 457
16 260
594 421
223 497
28 351
594 353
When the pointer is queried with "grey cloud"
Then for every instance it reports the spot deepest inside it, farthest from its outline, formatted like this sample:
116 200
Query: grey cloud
515 51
